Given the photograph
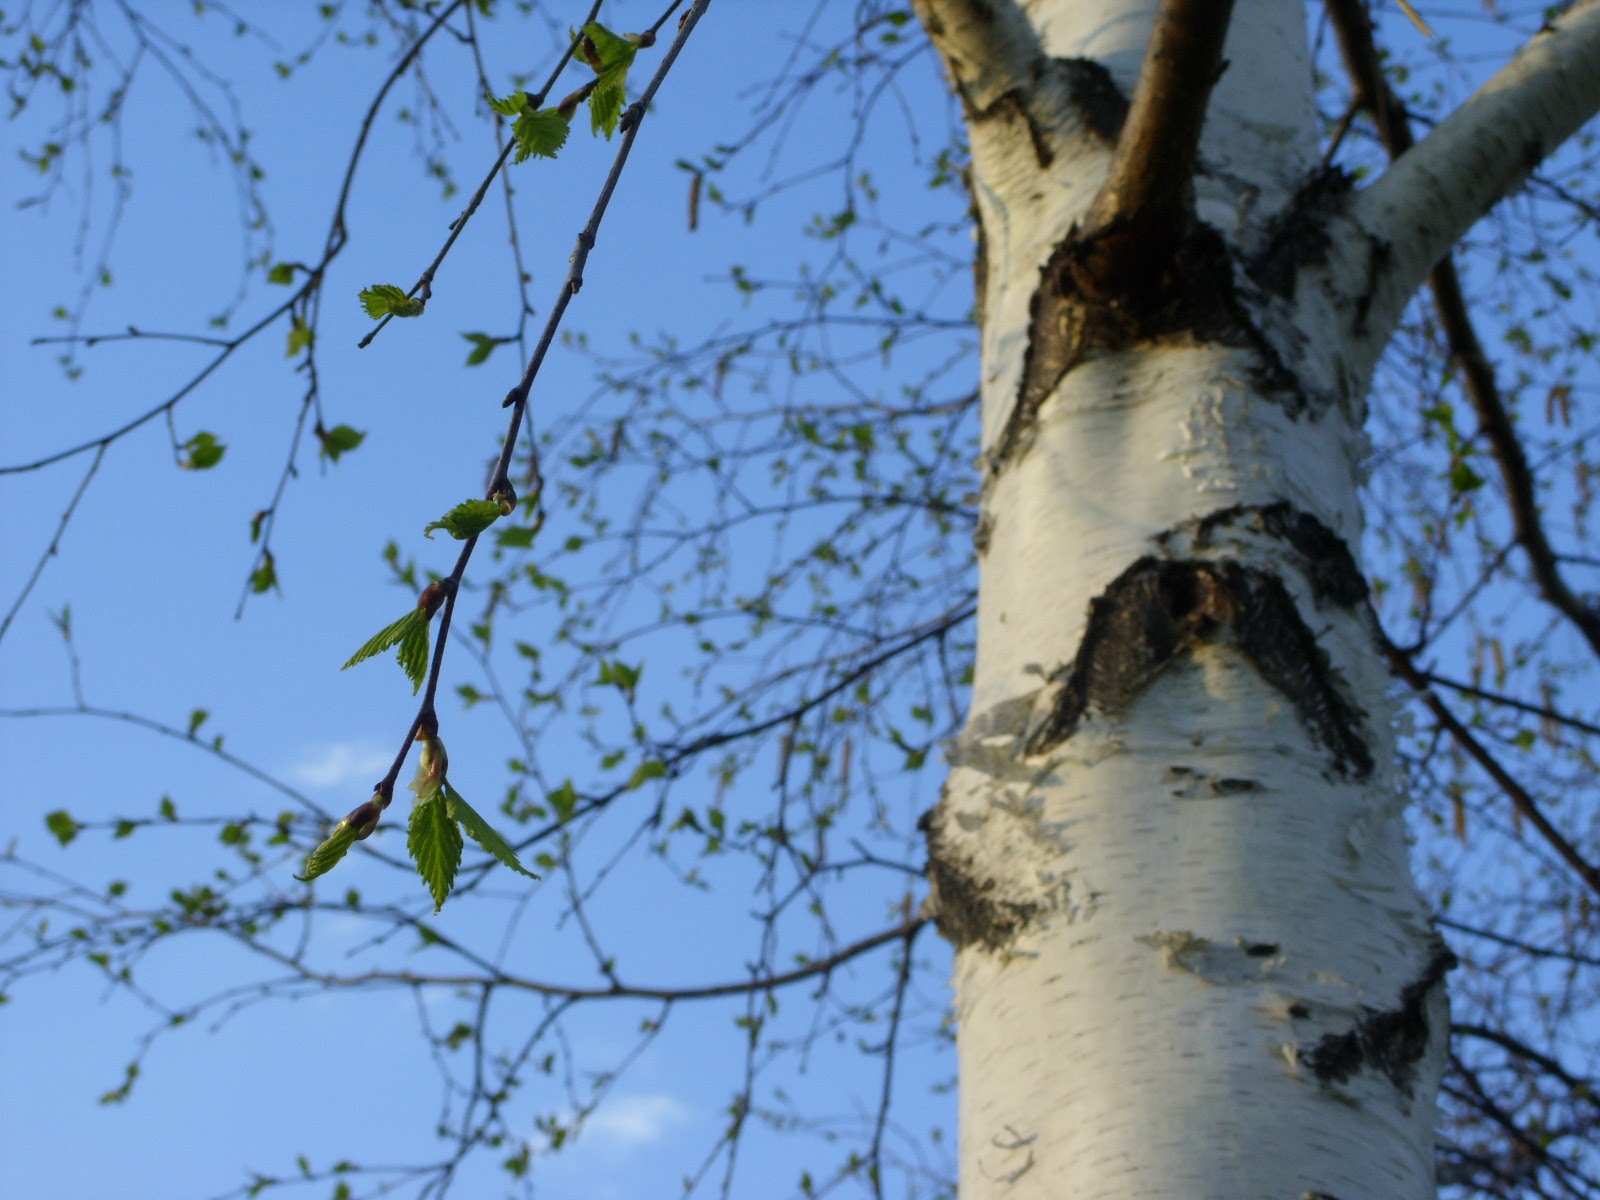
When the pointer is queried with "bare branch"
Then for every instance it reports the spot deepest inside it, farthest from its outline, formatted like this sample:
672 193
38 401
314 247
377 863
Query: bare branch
1372 91
1429 198
1146 202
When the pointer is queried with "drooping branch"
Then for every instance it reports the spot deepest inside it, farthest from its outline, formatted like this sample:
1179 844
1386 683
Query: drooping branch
1428 199
1145 204
1372 91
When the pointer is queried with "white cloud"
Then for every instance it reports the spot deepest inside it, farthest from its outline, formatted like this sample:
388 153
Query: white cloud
635 1120
340 763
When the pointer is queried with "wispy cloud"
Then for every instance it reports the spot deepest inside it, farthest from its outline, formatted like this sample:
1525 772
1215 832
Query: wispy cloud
338 764
635 1120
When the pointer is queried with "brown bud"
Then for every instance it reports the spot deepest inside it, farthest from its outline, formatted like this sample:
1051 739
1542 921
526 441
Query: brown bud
434 595
365 818
643 40
506 497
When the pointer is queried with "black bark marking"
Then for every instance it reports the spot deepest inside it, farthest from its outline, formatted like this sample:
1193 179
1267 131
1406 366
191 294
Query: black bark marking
1191 302
1298 237
1095 94
965 908
1390 1041
1233 787
1325 558
1159 609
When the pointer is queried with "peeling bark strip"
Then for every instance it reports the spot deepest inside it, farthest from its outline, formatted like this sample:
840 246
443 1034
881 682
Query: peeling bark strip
1158 609
1391 1041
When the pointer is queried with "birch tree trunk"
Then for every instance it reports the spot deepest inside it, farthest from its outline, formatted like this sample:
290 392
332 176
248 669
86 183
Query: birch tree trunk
1191 959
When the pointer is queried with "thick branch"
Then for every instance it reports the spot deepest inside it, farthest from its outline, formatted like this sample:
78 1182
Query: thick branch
988 46
1477 373
1428 199
1145 204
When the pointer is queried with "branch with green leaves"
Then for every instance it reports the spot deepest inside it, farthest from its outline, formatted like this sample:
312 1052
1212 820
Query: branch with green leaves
440 814
536 132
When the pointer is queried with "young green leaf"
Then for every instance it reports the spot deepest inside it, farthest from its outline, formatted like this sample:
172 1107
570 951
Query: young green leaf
414 653
385 300
481 831
203 452
467 519
510 106
386 637
327 855
541 133
63 826
265 577
482 346
610 87
435 845
341 439
299 336
281 273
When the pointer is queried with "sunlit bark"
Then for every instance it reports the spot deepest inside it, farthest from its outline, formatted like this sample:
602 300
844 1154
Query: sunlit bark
1191 960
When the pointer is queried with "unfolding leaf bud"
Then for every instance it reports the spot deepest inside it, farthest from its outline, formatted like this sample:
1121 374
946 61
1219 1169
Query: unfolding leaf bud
431 766
591 54
506 497
365 818
570 105
433 596
643 40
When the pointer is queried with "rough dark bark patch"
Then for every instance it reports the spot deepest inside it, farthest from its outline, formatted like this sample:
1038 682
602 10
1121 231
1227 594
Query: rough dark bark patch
1390 1041
1159 609
1100 103
1325 558
1298 237
1192 303
967 909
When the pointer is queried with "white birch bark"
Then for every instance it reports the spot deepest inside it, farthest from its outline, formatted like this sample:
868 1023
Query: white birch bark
1191 960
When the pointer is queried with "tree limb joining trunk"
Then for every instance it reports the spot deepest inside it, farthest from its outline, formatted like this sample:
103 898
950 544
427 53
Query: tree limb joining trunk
1146 203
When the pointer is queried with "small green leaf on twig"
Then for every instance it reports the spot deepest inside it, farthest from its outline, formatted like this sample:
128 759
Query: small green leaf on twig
482 346
327 855
540 134
611 60
281 273
510 106
435 845
341 439
265 577
386 637
299 336
385 300
202 452
482 832
413 653
467 519
62 825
